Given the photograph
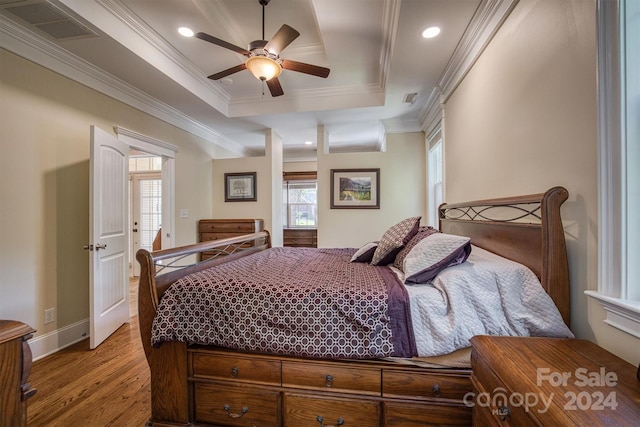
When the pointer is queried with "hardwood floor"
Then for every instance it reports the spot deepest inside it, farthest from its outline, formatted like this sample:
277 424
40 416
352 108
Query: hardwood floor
108 386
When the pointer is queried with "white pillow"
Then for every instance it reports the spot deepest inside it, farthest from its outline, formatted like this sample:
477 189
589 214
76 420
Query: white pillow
433 254
365 253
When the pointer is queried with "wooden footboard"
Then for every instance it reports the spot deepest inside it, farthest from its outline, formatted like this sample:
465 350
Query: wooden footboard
168 362
216 387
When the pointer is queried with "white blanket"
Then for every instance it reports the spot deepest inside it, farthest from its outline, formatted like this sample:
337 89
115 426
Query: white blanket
486 295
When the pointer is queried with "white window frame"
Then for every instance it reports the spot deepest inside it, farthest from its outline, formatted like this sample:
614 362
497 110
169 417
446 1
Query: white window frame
287 205
435 174
619 164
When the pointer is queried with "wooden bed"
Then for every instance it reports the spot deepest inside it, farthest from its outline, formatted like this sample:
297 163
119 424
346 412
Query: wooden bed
200 385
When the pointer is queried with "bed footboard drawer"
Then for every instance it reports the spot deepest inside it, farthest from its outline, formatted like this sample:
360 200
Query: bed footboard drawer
307 410
227 405
425 385
238 369
406 414
330 377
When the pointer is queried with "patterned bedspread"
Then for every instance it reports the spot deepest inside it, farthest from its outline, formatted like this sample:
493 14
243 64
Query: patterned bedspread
310 303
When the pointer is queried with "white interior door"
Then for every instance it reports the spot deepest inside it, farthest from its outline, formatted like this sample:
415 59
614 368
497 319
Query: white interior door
108 231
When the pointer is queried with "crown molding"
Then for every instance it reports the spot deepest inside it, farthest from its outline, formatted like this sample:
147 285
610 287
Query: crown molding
312 100
431 112
142 142
390 29
27 44
120 24
485 23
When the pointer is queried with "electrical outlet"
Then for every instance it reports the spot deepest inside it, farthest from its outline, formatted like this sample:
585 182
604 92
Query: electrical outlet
49 315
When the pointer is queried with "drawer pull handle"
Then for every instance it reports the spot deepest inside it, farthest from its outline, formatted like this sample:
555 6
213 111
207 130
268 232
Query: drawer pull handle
227 409
322 424
503 412
436 390
329 379
234 372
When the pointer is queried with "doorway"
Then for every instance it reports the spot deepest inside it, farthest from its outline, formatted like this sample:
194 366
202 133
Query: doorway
145 213
145 197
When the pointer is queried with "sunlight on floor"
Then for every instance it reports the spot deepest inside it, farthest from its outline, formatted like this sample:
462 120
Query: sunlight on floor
133 296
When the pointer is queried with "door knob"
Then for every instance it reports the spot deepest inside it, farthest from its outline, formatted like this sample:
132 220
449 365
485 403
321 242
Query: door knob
99 246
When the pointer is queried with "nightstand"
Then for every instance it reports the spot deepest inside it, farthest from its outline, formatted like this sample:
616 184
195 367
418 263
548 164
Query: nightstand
15 366
521 381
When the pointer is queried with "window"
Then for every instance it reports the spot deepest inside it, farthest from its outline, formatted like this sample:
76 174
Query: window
619 163
434 185
300 198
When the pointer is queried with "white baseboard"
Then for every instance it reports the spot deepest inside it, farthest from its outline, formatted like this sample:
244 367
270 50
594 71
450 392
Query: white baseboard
51 342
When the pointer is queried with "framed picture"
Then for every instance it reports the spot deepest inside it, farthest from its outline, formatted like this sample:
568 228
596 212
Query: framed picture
240 187
355 188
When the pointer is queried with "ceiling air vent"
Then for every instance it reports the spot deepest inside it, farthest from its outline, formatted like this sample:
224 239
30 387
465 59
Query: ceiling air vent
50 20
409 98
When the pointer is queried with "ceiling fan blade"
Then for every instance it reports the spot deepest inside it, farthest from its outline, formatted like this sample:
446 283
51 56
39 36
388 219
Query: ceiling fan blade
274 87
222 43
281 39
227 72
301 67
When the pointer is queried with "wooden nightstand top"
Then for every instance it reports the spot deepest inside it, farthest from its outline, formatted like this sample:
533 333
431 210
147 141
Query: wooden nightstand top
12 329
553 382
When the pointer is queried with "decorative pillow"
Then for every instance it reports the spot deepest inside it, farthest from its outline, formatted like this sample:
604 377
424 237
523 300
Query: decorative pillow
365 253
423 232
394 239
433 254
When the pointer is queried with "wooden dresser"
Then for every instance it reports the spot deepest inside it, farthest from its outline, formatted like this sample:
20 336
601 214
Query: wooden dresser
231 389
300 237
551 382
215 229
15 367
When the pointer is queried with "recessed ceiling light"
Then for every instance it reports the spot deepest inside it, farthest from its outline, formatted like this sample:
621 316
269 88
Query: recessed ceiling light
308 143
187 32
431 32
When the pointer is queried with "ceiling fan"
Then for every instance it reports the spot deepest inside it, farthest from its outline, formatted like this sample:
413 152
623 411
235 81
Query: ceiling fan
263 57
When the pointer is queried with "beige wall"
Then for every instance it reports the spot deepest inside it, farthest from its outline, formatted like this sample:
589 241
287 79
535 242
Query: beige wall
300 166
44 188
268 204
524 120
402 191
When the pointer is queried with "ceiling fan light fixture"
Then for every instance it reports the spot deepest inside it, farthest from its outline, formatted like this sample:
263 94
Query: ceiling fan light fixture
263 67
